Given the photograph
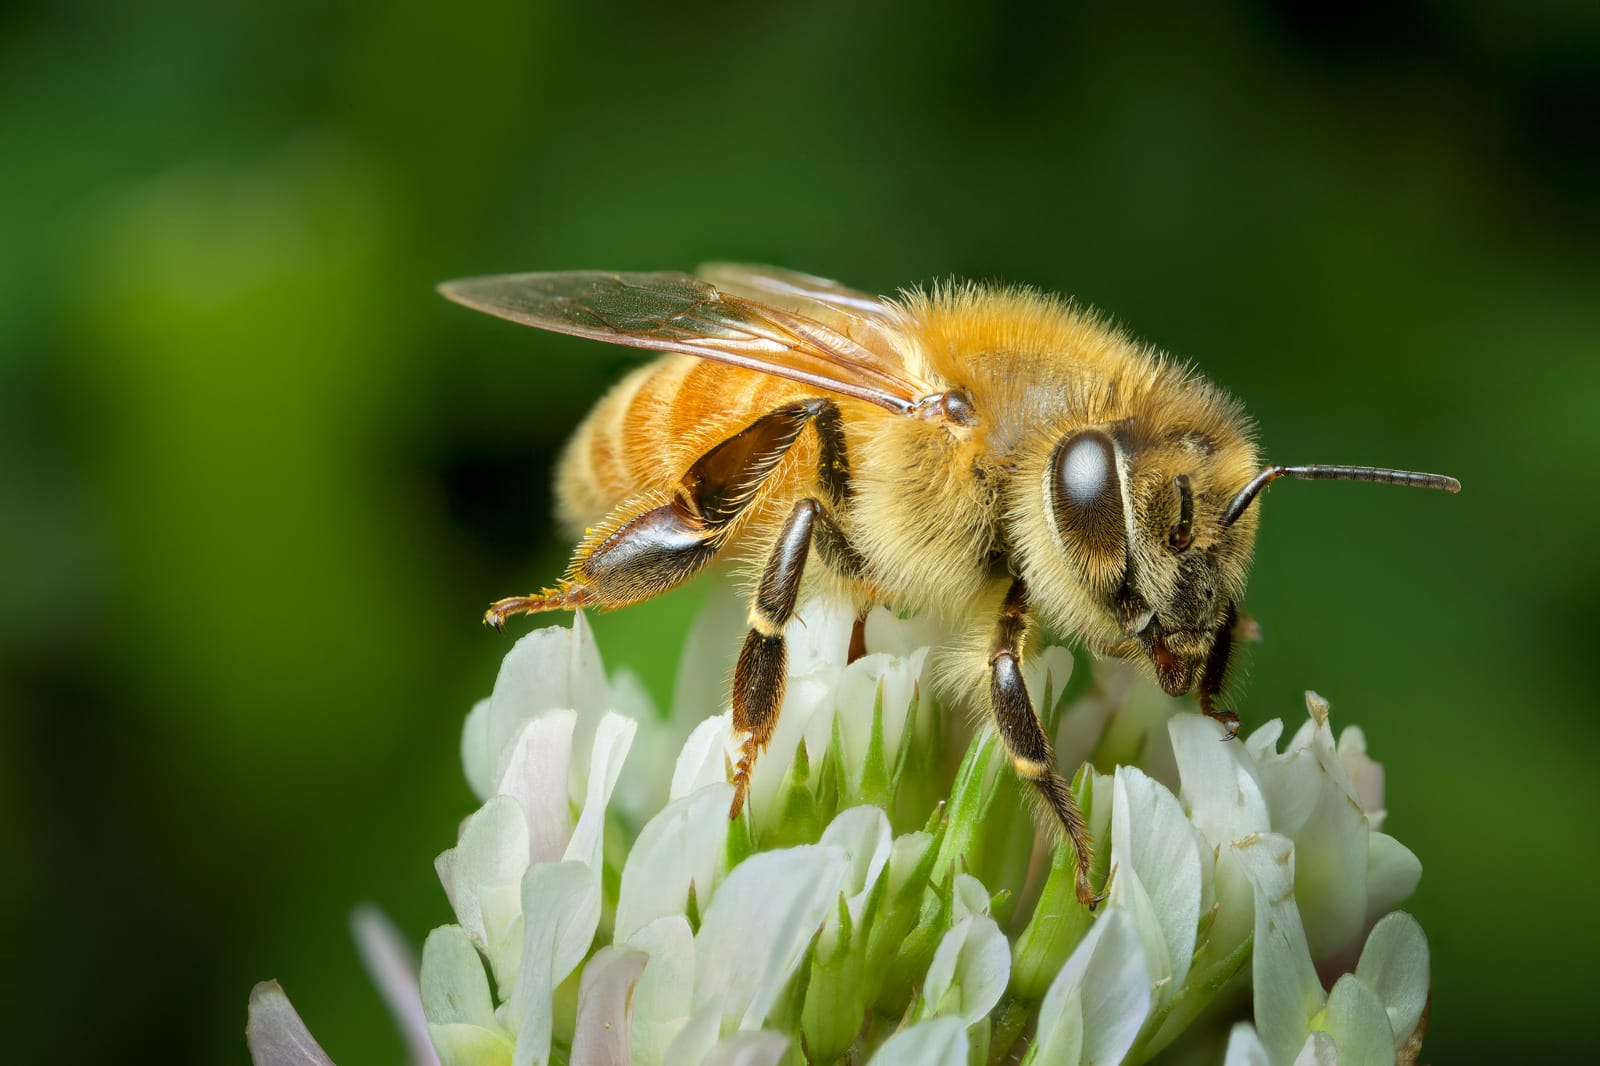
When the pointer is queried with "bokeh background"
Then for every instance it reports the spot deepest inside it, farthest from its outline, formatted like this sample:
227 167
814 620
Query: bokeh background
257 481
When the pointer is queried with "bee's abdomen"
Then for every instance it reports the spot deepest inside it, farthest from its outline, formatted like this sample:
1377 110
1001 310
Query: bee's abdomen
647 431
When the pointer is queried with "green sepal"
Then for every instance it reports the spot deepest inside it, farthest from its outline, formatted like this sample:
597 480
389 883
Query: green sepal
835 1005
798 821
876 787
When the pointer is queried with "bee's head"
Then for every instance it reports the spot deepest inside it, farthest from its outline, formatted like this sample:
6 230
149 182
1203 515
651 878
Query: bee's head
1138 559
1142 538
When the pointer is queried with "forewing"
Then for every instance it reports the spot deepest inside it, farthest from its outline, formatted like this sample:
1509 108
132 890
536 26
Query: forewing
672 312
870 321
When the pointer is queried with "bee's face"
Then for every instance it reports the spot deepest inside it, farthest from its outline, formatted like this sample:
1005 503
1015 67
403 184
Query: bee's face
1143 568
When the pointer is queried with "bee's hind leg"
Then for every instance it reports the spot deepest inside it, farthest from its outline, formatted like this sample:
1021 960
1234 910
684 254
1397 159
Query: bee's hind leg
1024 738
656 548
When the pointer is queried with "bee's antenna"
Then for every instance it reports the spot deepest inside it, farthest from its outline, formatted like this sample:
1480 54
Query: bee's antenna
1334 473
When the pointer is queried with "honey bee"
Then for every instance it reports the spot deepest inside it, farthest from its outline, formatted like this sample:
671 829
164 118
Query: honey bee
999 457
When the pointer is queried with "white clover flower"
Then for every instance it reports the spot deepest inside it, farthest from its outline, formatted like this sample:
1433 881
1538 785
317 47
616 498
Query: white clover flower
878 901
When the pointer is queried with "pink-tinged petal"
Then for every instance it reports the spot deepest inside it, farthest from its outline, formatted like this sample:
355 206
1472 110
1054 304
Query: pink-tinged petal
1365 775
679 847
661 1000
602 1037
276 1035
758 1047
535 775
394 970
936 1042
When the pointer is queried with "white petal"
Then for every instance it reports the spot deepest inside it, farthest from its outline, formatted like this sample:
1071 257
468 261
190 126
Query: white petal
275 1033
708 655
643 789
1219 784
470 1045
612 739
757 927
454 986
1318 1050
1359 1025
968 897
862 833
1051 668
1393 872
393 969
905 854
758 1047
678 847
936 1042
1287 992
662 998
696 1038
561 906
820 642
483 878
602 1036
1156 854
476 758
1104 986
1394 964
535 774
1244 1047
705 757
857 690
889 633
969 971
806 715
553 668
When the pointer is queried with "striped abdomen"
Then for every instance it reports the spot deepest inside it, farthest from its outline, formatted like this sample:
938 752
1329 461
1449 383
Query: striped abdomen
651 427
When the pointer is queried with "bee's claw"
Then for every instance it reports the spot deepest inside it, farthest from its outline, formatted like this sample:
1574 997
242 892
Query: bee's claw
566 598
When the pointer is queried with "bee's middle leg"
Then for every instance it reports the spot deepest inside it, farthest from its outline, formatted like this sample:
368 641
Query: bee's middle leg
1024 738
758 679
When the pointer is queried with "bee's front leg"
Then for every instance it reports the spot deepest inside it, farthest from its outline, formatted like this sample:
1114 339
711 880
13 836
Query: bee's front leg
1024 738
1215 671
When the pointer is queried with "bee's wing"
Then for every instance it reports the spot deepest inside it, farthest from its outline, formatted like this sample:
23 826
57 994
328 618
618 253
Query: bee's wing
795 291
678 313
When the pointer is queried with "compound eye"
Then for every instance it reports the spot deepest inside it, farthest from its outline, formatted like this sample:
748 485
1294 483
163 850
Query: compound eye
1088 491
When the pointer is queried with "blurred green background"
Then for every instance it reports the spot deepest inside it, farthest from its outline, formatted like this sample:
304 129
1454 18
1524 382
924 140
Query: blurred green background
257 481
